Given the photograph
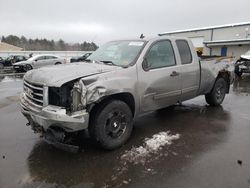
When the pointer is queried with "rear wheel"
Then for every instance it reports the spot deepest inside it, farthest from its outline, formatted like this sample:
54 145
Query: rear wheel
58 63
217 95
111 124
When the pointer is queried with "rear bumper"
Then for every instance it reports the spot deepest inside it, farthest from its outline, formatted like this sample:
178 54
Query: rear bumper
53 116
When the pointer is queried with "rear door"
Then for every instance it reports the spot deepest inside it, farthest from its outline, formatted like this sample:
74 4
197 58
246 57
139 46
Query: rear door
159 77
50 60
190 70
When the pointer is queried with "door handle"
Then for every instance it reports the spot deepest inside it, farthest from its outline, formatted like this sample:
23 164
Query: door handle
174 73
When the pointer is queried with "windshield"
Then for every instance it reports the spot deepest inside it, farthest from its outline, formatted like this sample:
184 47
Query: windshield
120 53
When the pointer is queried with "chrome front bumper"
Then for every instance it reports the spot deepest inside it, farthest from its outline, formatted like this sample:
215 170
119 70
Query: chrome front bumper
53 116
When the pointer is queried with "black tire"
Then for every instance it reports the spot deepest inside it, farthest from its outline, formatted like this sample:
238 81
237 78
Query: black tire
27 67
58 63
217 95
111 124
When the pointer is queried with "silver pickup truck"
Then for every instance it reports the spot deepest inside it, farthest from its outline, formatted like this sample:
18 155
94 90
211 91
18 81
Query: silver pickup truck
117 83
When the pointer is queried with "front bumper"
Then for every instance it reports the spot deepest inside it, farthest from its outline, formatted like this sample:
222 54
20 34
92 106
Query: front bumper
53 116
19 68
244 68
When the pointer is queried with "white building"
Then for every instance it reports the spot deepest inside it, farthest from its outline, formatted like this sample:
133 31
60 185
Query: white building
225 40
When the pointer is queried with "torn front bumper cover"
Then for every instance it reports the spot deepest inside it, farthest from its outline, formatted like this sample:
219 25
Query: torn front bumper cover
244 69
57 138
51 116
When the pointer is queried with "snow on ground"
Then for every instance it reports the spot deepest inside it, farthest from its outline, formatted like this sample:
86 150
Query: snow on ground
149 151
150 146
10 79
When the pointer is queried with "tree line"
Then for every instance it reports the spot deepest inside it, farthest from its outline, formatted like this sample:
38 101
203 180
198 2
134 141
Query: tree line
47 45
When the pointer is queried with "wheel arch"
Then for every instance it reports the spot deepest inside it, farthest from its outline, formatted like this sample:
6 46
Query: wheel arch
226 76
126 97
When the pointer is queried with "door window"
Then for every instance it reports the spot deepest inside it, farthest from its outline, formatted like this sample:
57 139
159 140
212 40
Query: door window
161 54
40 58
184 51
19 58
50 57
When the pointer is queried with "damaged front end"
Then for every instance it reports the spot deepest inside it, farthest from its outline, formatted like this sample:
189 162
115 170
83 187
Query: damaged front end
75 96
60 139
63 111
242 65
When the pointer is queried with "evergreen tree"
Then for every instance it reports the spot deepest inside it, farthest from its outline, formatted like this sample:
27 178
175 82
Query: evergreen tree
47 45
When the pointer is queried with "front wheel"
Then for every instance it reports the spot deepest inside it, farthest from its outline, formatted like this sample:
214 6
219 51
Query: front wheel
27 67
217 95
111 124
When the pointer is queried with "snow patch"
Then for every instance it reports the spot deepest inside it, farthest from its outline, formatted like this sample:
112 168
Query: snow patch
150 146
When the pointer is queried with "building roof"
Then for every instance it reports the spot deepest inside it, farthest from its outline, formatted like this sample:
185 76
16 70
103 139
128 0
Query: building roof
8 47
205 28
227 42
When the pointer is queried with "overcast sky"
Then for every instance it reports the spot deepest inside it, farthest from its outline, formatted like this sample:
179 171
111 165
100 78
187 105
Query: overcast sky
103 20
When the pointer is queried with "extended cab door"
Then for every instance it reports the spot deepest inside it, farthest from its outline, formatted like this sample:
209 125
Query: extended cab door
190 70
159 77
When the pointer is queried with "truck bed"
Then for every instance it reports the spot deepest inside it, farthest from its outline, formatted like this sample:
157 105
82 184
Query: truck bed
210 66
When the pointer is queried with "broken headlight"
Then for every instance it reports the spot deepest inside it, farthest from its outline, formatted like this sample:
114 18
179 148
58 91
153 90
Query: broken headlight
61 96
71 96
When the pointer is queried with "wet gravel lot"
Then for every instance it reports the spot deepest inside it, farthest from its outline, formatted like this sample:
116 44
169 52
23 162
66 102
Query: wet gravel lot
205 147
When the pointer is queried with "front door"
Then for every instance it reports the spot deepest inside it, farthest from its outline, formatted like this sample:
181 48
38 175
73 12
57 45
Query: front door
160 78
39 62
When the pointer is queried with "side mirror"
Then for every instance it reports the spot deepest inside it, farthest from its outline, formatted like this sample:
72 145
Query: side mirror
145 64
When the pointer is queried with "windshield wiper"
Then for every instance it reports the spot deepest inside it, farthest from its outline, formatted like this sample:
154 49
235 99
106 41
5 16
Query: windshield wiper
88 60
109 62
105 62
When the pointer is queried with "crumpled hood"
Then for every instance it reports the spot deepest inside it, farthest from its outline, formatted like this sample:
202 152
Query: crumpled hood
57 75
245 57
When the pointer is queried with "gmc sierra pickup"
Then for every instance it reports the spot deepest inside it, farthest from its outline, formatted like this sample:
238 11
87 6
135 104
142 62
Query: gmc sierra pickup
117 83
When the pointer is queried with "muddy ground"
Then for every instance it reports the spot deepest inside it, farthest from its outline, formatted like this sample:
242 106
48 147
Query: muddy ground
211 148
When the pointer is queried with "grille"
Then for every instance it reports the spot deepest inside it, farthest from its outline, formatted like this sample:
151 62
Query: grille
33 93
247 63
